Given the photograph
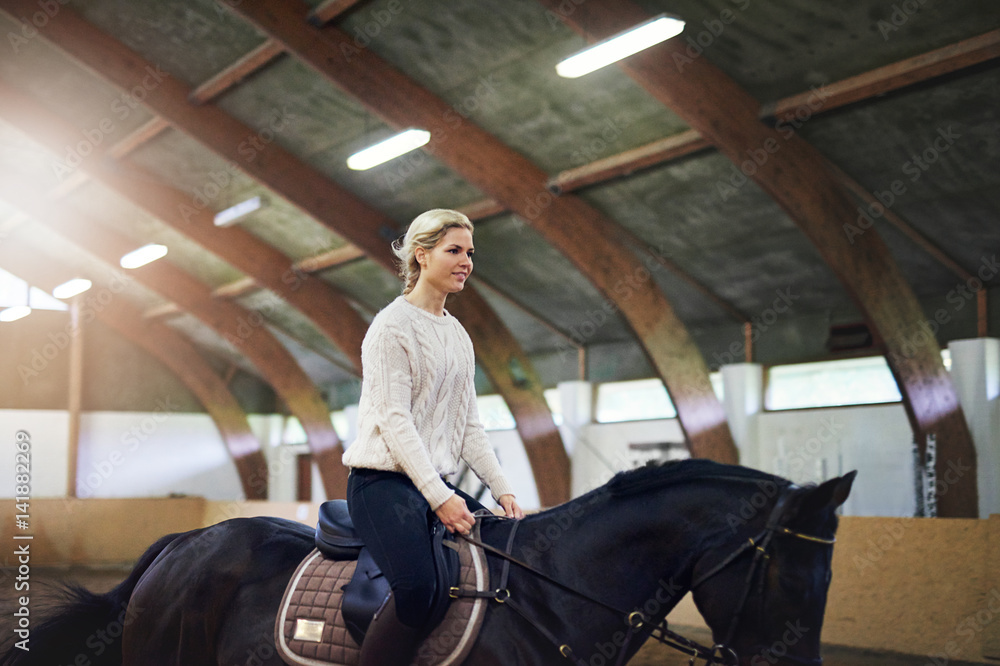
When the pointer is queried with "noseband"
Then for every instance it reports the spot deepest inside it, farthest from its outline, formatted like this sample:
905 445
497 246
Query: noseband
721 653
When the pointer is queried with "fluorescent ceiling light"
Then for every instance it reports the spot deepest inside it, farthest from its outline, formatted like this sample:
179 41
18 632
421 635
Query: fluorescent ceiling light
226 217
620 46
392 147
143 255
71 288
14 313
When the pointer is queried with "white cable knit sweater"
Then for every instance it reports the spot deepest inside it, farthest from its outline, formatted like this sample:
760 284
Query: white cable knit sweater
418 411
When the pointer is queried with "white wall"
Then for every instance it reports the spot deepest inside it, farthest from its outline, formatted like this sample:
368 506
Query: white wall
813 445
602 449
122 454
152 454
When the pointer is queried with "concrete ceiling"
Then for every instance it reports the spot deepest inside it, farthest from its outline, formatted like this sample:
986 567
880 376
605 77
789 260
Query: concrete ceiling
493 61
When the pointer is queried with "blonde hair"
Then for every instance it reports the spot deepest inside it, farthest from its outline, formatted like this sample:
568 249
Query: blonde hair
426 231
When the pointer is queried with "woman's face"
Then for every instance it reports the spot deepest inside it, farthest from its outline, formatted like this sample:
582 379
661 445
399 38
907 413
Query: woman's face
448 265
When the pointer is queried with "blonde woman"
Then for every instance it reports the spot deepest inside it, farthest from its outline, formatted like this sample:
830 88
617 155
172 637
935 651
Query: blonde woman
417 418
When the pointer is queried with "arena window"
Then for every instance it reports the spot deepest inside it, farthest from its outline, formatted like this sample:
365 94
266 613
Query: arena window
636 400
495 415
640 400
855 381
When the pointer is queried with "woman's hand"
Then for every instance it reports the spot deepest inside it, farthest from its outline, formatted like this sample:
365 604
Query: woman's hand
510 507
455 515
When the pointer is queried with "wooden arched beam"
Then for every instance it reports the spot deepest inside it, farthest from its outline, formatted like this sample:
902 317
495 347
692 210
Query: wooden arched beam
316 299
175 352
796 176
238 325
577 229
317 196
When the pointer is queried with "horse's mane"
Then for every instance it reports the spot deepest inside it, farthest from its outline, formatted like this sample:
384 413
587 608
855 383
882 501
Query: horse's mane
659 475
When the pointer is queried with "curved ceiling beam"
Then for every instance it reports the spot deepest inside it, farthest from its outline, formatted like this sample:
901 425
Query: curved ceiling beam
900 74
222 82
311 191
316 299
579 231
234 323
798 179
172 350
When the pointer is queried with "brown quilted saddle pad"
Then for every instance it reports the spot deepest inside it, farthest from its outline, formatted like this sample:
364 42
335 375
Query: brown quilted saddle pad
310 629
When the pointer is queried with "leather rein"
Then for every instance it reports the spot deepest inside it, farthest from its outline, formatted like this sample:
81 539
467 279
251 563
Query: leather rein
720 653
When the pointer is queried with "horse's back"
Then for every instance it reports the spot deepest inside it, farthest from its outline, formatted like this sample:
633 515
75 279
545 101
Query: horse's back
210 597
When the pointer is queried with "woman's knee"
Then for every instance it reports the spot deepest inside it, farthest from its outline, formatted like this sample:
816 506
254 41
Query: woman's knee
413 601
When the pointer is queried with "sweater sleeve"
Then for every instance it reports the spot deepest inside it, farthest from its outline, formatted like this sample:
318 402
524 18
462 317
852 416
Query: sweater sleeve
391 384
477 450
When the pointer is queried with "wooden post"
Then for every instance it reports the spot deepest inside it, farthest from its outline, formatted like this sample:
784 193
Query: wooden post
75 395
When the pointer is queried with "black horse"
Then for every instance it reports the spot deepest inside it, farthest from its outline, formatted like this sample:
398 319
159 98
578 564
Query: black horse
754 548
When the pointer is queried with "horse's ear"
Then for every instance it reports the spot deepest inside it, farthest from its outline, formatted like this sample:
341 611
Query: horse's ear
829 494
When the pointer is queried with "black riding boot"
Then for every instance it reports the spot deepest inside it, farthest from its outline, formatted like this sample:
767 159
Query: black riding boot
388 641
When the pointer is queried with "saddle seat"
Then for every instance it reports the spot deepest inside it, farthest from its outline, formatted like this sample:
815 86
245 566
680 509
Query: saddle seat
368 589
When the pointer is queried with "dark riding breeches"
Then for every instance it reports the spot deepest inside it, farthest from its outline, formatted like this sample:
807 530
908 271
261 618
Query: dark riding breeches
392 518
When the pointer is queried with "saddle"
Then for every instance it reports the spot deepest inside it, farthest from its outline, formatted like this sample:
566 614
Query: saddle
369 589
337 589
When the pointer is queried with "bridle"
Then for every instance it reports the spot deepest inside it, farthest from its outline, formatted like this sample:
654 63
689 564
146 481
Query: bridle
760 543
720 653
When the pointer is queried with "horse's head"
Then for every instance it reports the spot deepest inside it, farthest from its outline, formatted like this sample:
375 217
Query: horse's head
764 598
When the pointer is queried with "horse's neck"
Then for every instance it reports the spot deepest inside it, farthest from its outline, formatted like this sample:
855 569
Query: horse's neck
628 550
